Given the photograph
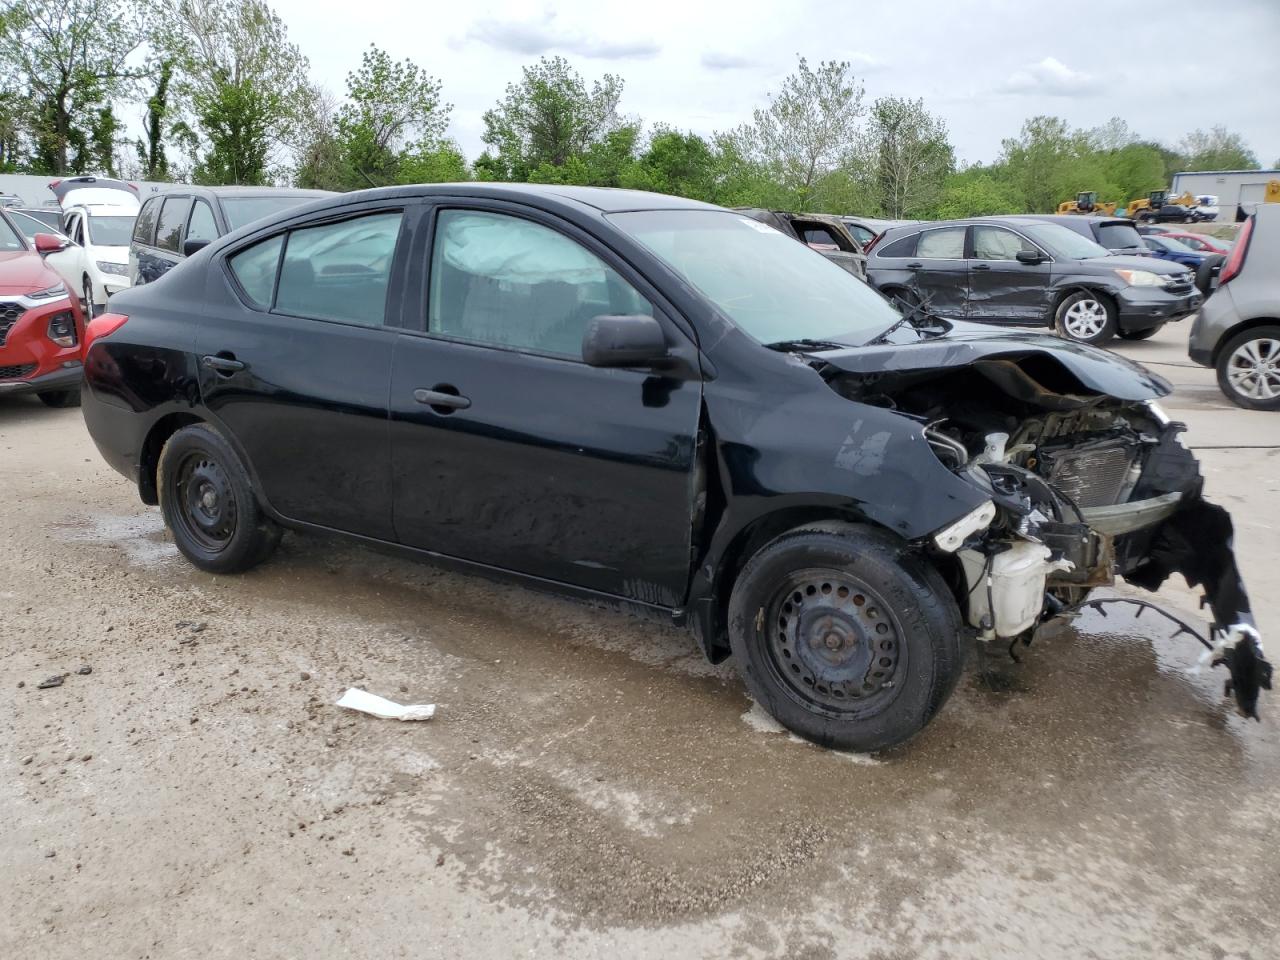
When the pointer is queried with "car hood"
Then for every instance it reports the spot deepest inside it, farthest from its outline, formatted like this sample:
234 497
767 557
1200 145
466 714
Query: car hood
1146 261
22 271
965 344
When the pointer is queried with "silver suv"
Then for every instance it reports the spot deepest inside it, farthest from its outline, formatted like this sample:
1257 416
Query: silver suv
1238 329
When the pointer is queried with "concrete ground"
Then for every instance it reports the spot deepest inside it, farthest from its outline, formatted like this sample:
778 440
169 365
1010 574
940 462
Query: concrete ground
589 786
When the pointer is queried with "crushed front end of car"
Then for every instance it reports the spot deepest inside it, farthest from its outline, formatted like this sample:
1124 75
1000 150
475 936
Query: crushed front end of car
1086 480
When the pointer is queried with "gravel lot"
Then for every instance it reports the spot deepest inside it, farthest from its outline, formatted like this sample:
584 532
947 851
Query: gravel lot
589 786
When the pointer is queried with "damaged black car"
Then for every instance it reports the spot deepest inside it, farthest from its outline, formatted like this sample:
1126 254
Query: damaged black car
667 407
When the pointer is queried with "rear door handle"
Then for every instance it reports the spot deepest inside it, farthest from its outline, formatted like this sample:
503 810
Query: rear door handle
437 398
914 266
224 364
981 266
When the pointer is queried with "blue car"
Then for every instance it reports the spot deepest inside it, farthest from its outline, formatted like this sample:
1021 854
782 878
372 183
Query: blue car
1166 248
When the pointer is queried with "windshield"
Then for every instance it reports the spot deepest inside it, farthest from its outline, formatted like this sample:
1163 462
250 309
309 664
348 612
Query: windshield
110 231
770 286
30 225
1064 242
1119 236
9 239
242 210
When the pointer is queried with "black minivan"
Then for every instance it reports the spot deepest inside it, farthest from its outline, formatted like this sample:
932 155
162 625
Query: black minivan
662 406
175 224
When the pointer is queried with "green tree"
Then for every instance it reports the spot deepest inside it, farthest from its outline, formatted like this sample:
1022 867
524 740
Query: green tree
15 117
320 160
808 130
390 106
908 156
72 56
977 191
238 78
1218 149
681 164
549 117
442 163
152 156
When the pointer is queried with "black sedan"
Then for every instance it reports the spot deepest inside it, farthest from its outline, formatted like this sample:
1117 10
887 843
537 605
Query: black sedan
661 405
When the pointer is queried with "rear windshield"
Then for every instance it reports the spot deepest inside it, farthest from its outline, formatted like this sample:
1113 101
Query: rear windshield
242 210
110 231
1119 236
1063 242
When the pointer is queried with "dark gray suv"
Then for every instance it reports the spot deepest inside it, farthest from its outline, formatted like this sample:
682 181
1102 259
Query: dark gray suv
1014 270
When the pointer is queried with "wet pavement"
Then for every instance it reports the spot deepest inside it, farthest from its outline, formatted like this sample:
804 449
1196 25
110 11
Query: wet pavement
589 786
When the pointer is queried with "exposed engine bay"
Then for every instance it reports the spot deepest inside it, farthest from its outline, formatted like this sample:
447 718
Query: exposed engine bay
1083 487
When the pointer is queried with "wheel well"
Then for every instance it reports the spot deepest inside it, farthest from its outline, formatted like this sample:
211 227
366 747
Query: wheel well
161 431
1100 292
1239 329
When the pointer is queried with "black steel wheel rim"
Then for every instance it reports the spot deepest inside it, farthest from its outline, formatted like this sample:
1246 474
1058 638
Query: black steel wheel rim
834 643
206 502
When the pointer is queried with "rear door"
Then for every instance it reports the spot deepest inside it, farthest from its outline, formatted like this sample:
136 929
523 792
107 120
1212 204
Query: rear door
295 363
1002 289
165 249
941 273
141 252
542 464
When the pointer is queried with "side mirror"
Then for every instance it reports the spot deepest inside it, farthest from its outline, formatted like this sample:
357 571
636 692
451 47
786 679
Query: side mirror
190 247
1030 257
47 243
634 340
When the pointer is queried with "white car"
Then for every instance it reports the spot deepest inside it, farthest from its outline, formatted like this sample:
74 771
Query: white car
98 215
71 262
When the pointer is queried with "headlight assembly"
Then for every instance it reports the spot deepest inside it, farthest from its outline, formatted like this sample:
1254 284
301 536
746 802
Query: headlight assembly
119 269
1141 278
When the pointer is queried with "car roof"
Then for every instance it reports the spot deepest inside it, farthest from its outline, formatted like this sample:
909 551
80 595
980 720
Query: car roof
104 210
239 192
602 199
1067 218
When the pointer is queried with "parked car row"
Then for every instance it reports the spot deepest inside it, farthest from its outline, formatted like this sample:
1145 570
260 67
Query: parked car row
677 409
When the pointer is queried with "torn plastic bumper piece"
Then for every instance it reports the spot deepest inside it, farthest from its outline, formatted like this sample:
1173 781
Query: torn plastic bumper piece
1196 541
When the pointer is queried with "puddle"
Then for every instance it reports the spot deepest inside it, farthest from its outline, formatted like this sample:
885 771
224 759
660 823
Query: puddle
141 537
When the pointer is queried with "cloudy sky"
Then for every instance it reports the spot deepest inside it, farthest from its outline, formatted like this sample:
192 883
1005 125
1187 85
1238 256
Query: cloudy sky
1166 67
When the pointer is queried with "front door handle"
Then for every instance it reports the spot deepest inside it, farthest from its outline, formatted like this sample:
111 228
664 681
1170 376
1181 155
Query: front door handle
224 363
914 266
981 266
438 398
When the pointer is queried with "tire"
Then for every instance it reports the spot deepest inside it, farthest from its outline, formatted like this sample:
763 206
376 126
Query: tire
60 398
1249 369
1086 317
866 605
1208 271
209 504
87 289
1146 334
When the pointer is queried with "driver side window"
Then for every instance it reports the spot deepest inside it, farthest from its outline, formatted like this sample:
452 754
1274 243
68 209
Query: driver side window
510 282
994 243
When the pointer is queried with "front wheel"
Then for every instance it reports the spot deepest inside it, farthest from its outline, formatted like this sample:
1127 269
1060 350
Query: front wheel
1086 317
209 504
846 637
87 290
1145 334
1249 369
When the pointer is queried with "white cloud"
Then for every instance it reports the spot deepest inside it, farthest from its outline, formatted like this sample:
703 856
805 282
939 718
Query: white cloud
727 61
865 63
536 37
1050 78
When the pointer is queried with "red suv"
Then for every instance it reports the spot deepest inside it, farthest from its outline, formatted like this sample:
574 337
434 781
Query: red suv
41 326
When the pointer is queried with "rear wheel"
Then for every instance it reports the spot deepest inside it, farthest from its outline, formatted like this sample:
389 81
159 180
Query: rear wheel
60 398
87 289
1086 317
209 504
1146 334
844 636
1249 369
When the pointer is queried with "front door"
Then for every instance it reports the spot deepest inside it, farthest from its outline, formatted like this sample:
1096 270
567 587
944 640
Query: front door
507 449
941 272
1001 288
295 362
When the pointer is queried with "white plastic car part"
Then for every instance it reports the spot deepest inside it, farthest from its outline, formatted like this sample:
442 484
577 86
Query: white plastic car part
950 537
1006 590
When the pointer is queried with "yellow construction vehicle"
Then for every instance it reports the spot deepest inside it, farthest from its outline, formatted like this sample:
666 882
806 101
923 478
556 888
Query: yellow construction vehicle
1086 204
1144 207
1273 192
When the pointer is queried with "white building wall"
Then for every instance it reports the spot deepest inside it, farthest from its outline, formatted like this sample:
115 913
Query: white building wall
1231 187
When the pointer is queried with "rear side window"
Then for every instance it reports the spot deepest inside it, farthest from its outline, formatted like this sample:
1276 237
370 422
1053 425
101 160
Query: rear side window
902 247
946 243
144 228
169 228
201 225
1118 236
255 269
340 271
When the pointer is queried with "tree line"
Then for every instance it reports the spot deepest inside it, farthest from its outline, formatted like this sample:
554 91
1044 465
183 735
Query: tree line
227 99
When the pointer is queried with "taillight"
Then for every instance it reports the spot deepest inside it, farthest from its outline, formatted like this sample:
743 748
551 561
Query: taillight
1236 259
101 326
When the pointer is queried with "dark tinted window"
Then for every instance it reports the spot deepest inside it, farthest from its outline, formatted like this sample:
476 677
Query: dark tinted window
340 271
242 210
902 247
169 228
145 226
945 243
256 267
502 280
1118 236
201 225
